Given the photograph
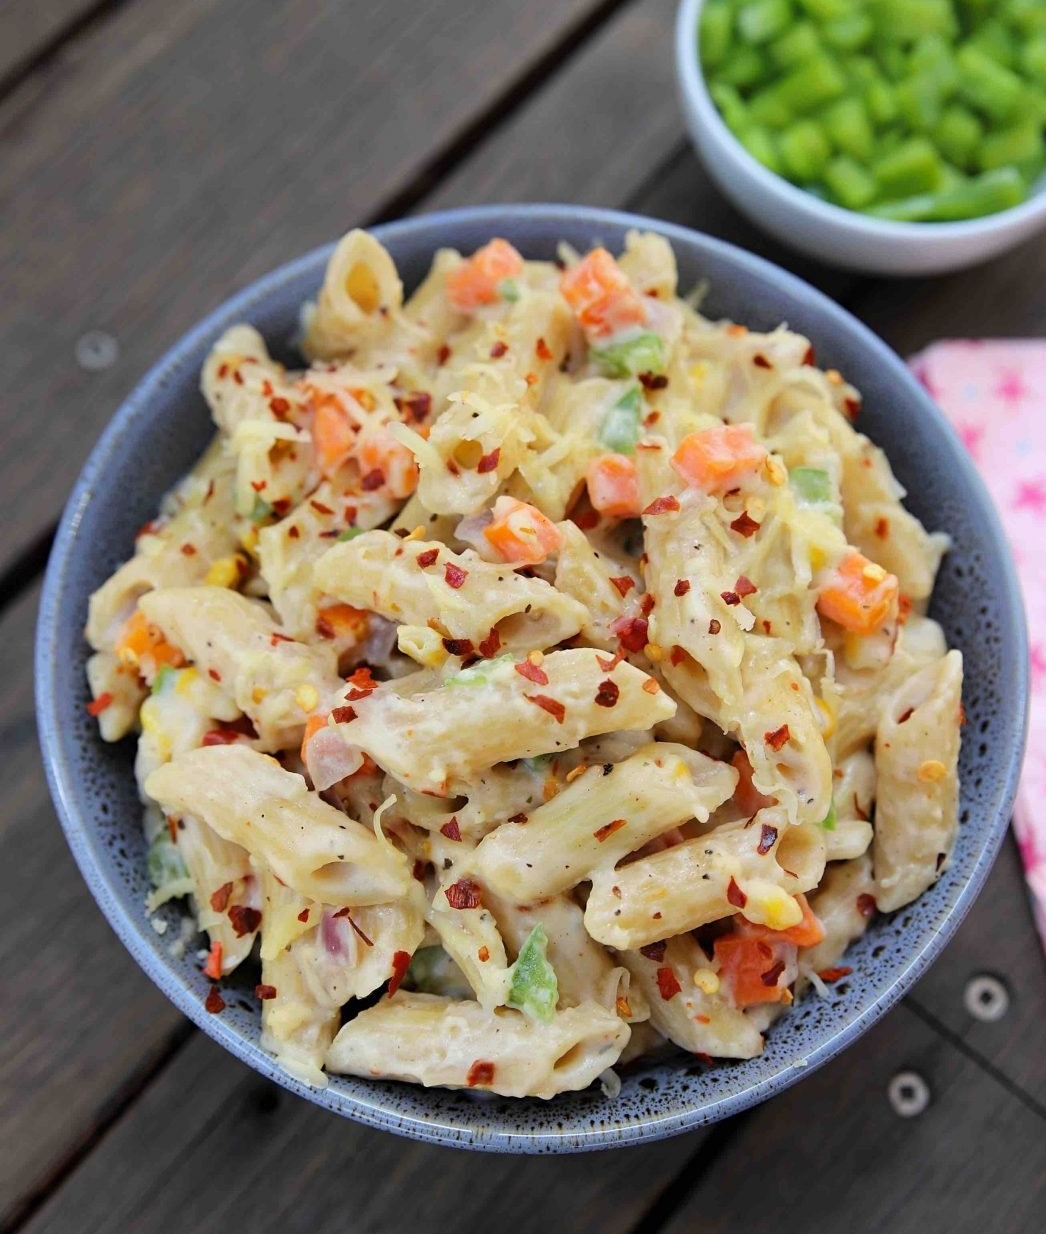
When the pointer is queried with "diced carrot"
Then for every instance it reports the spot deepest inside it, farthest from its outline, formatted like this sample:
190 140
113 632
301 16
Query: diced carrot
386 463
860 595
745 963
333 434
613 485
313 725
475 282
143 646
808 933
521 534
747 797
213 967
603 299
718 458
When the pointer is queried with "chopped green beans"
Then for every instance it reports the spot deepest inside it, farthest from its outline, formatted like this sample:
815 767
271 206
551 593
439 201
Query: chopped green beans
912 110
812 485
619 431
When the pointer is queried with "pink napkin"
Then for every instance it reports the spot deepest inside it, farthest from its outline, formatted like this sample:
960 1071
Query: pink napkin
994 392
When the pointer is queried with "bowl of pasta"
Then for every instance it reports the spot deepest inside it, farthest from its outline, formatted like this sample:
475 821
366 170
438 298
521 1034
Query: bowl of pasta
491 683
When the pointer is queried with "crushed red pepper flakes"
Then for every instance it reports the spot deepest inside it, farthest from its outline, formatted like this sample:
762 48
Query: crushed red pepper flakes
962 714
837 973
607 693
653 381
281 505
343 715
489 462
491 645
344 912
744 586
517 818
303 916
676 656
277 637
552 705
772 974
858 811
214 1001
417 405
767 839
259 486
319 507
542 350
904 608
189 550
498 349
852 406
214 674
810 357
400 964
608 666
443 355
220 898
481 1072
454 576
662 505
776 739
458 646
632 631
760 361
714 626
866 904
906 716
427 558
374 479
464 894
264 992
734 894
730 597
882 528
532 672
682 587
654 951
451 830
608 829
745 525
624 584
220 737
650 686
667 984
646 604
245 920
97 705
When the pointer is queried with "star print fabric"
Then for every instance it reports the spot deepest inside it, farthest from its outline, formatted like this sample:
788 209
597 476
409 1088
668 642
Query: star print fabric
994 392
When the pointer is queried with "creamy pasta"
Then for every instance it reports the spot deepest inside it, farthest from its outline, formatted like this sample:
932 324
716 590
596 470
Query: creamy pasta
538 677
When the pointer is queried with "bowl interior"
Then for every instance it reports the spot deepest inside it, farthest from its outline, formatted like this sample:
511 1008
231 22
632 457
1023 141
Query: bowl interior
163 426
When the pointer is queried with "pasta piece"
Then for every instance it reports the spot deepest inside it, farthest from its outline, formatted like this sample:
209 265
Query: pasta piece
225 887
435 1041
360 289
844 904
469 934
249 799
117 692
916 760
599 818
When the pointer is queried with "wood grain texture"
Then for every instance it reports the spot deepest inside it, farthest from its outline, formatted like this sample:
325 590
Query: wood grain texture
80 1025
831 1154
181 150
220 1148
28 26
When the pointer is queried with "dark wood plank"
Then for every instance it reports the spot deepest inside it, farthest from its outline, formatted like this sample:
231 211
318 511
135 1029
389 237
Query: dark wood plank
29 26
183 150
222 1148
831 1154
79 1024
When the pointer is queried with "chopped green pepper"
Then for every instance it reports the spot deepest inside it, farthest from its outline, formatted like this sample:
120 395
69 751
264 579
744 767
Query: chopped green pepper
165 863
619 431
533 988
643 353
812 485
828 822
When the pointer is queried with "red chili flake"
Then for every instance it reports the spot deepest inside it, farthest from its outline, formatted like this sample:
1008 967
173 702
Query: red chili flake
294 532
427 558
770 977
667 984
608 829
356 693
464 894
220 737
454 576
281 505
651 418
682 587
264 992
542 350
882 528
852 406
714 626
532 672
745 525
220 898
213 967
498 350
481 1072
451 830
277 637
214 674
517 818
343 715
654 951
372 480
417 404
734 894
624 584
238 377
730 597
663 505
223 370
259 486
443 355
676 656
483 955
400 964
810 357
744 586
97 705
632 631
607 694
459 647
646 604
777 738
903 719
616 892
653 381
214 1001
188 550
362 678
608 666
244 920
828 975
489 461
279 407
553 706
904 608
491 645
962 714
767 839
320 508
303 916
861 814
866 904
767 627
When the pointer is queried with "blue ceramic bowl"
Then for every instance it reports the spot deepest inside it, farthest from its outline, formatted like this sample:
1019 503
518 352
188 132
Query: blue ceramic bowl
162 427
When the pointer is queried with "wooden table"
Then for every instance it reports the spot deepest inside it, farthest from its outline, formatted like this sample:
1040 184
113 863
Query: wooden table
153 158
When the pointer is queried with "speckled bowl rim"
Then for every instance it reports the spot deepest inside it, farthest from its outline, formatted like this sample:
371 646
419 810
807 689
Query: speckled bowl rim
373 1107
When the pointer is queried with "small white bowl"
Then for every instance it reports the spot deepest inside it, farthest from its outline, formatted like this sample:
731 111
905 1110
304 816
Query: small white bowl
825 231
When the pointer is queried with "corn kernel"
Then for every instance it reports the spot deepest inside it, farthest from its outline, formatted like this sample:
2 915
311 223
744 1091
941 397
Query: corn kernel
307 697
706 981
931 770
257 695
827 718
654 652
817 557
776 472
873 573
699 371
225 572
249 538
187 678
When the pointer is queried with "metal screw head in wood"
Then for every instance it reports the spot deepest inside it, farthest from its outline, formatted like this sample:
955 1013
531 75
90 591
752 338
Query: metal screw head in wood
986 998
909 1094
96 350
